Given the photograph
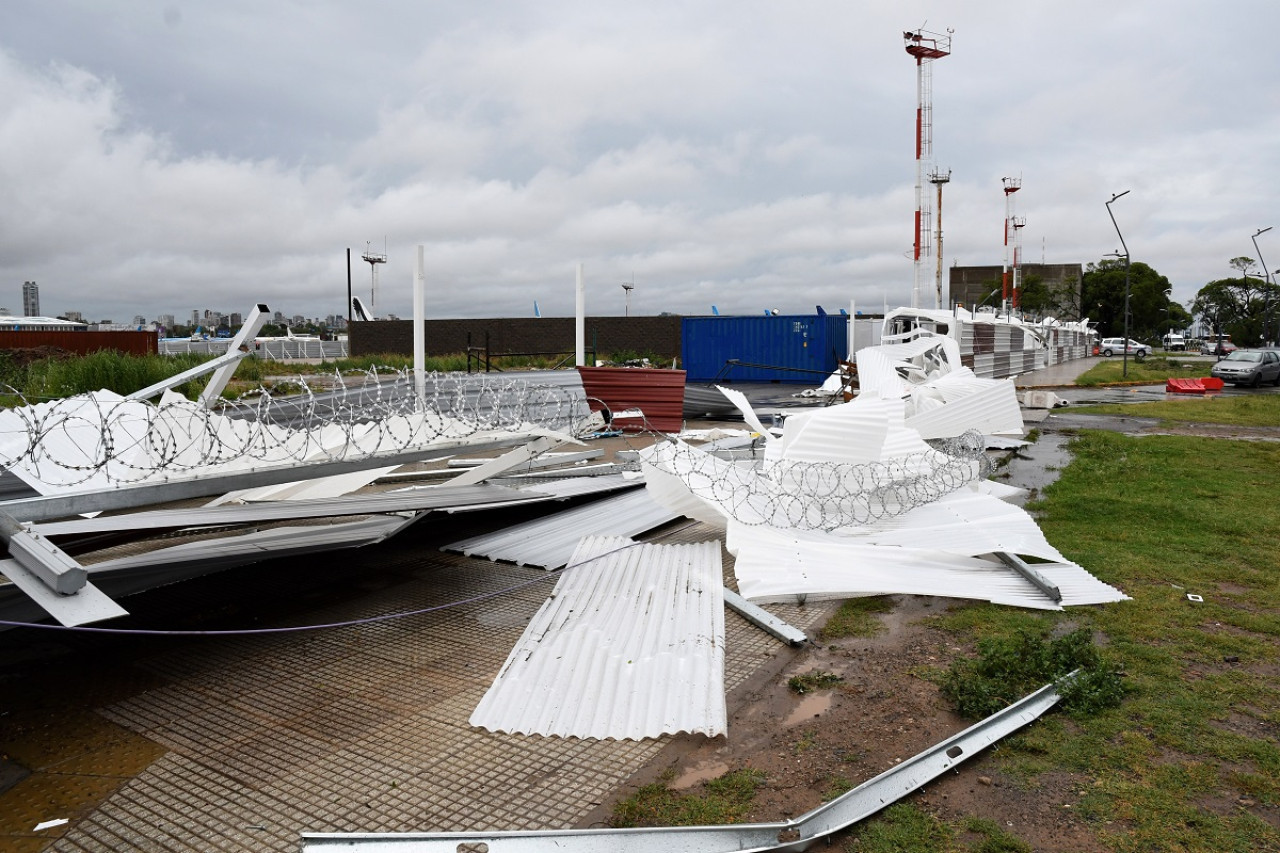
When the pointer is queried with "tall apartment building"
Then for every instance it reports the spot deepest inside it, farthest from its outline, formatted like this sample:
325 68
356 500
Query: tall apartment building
30 299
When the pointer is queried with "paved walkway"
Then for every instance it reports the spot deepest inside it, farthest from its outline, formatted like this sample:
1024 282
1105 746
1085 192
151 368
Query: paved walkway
1056 376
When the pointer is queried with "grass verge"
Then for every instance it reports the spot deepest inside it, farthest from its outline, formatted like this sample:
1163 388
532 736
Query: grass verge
1110 371
726 799
1189 760
1242 410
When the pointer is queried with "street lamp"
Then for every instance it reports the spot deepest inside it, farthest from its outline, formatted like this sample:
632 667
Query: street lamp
1125 368
1266 310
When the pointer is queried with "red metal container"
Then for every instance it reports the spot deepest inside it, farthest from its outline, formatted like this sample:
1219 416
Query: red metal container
657 392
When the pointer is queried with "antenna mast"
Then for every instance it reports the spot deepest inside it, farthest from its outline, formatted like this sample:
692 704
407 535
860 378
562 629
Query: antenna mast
1011 186
925 47
627 287
373 259
938 179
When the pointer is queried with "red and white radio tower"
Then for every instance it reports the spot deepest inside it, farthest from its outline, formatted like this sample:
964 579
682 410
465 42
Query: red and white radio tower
1011 186
925 47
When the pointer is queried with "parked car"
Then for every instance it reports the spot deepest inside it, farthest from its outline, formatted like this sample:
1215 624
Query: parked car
1215 347
1115 346
1249 367
1174 343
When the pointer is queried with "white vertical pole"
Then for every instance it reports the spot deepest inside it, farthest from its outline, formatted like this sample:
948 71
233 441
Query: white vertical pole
580 325
853 336
419 332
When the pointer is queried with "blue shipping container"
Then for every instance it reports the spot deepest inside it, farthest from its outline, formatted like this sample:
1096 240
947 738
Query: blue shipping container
801 349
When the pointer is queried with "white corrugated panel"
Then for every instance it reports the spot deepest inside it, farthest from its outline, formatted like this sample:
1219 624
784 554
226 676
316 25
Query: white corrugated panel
992 409
549 542
965 523
782 565
630 645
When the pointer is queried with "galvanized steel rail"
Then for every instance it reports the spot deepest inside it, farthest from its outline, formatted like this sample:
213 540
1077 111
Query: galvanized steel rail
798 834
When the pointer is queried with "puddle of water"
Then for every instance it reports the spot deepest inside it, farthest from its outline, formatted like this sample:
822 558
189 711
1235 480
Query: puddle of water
1038 464
703 771
810 706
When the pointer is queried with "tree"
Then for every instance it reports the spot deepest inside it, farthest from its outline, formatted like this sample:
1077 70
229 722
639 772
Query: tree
1237 306
1148 299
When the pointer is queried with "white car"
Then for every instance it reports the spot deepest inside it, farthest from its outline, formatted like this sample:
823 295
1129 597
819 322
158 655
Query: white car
1115 346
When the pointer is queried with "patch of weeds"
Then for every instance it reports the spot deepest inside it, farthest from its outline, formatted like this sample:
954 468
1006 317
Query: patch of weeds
726 799
836 787
1011 666
856 618
1033 436
808 740
993 838
814 679
903 828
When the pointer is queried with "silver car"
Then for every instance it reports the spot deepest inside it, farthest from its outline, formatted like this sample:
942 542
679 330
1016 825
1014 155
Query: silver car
1249 367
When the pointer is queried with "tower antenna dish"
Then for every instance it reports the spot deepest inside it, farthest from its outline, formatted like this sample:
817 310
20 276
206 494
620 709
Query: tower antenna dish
372 258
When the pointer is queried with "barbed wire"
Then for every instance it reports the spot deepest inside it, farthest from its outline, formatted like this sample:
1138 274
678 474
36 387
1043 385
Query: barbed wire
824 495
106 439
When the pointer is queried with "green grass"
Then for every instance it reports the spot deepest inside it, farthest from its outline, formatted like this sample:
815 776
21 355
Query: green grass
1161 517
905 828
56 378
857 618
1110 371
1242 410
816 679
726 799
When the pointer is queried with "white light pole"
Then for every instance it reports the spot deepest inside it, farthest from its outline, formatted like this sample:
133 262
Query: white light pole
1266 311
1125 345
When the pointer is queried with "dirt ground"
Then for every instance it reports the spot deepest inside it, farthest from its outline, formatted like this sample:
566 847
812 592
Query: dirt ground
813 746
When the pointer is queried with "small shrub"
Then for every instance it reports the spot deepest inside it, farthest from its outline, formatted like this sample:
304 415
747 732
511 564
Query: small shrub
1009 667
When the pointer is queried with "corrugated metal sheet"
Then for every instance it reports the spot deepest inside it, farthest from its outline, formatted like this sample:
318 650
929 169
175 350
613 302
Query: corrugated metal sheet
812 344
630 645
782 565
127 575
990 408
549 542
417 500
657 392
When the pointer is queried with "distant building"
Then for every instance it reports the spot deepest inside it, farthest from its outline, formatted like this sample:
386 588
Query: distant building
74 316
30 299
9 323
236 319
166 320
975 287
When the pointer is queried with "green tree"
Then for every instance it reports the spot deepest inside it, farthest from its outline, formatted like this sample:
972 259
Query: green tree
1148 299
1238 306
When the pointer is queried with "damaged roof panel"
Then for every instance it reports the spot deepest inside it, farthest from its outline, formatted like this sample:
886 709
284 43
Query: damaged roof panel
550 541
630 645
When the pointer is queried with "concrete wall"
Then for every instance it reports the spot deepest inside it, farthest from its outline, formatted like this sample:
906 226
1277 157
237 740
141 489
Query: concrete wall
656 335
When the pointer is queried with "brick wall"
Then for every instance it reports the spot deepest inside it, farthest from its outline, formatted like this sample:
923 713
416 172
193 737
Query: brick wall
657 335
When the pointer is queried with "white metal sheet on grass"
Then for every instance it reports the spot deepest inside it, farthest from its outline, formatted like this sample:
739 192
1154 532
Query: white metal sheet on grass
630 645
782 565
550 541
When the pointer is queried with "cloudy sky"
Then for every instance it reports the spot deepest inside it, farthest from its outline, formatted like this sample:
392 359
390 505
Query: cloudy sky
159 156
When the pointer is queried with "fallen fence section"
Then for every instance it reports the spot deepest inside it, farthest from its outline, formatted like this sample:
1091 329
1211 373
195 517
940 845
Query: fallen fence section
798 834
